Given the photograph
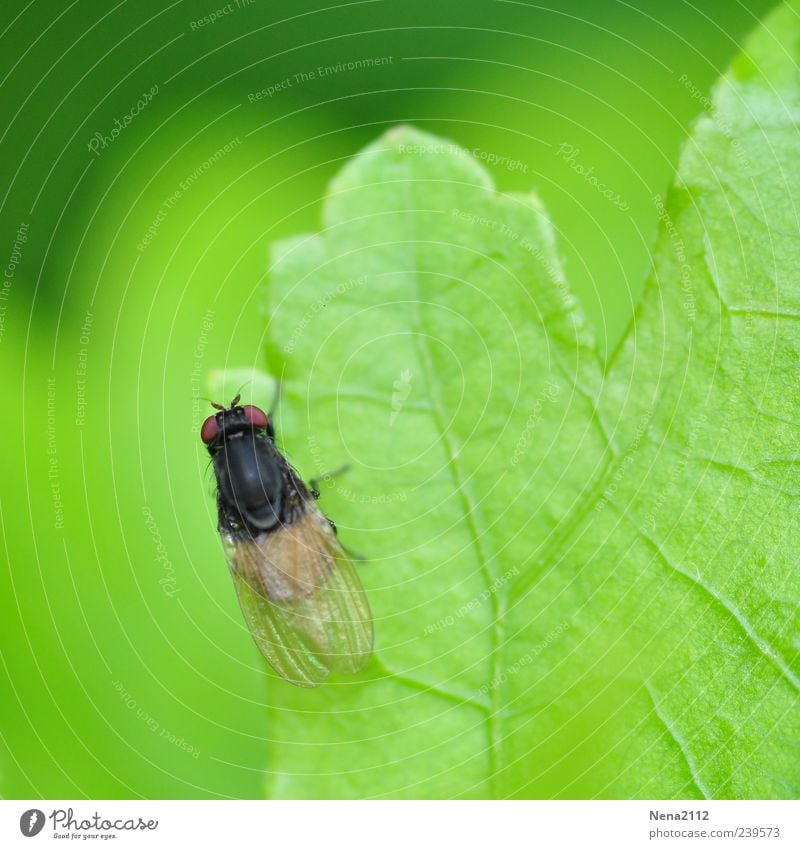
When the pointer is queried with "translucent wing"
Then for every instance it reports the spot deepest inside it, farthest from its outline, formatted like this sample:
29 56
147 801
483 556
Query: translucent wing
302 599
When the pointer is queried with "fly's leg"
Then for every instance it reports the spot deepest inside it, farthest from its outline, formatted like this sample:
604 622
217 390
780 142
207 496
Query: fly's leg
314 488
328 476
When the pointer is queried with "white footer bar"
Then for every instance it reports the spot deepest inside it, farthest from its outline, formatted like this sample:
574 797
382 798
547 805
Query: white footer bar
401 825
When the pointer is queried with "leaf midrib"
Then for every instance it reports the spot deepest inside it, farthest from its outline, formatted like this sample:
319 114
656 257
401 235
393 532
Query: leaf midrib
474 523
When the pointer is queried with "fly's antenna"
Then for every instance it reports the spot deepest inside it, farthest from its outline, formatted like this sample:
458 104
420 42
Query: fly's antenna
204 398
275 398
239 393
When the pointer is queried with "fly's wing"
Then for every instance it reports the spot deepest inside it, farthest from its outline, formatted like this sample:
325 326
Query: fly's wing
302 599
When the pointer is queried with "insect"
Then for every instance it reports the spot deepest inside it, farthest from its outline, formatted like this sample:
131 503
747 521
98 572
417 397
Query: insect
299 593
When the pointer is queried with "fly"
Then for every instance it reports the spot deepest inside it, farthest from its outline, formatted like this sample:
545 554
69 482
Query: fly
299 593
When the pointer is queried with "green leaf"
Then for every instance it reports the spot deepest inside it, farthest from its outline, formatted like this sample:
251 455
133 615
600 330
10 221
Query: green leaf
583 578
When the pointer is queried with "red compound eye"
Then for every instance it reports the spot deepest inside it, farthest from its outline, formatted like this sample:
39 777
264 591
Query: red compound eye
257 417
209 429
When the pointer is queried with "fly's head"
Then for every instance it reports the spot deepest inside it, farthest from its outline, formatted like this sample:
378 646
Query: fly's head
233 420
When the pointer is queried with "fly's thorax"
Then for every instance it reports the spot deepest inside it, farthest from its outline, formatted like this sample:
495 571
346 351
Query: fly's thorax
250 477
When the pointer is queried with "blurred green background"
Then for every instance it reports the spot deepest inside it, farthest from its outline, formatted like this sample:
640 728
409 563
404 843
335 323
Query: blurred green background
133 266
